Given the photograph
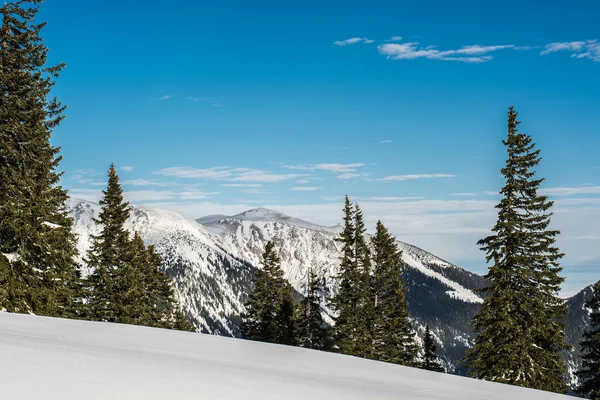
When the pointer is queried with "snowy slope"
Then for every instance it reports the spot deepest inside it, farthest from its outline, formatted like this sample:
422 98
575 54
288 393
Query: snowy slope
54 359
440 294
211 284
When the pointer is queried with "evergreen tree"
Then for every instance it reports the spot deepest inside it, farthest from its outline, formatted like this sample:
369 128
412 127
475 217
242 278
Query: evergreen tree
430 361
164 308
392 331
38 273
313 331
589 374
353 324
108 287
269 315
345 301
363 287
520 325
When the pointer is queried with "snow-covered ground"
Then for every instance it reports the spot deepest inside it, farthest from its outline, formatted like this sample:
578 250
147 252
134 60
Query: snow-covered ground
55 359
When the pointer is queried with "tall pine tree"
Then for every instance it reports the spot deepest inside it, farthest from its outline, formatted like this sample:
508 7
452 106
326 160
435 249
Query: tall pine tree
520 325
393 337
313 331
345 301
112 288
38 273
430 361
352 302
589 374
269 315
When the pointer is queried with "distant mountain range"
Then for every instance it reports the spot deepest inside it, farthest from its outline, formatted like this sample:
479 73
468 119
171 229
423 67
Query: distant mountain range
212 259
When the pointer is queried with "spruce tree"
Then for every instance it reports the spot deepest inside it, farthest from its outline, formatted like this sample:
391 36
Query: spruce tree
392 331
589 374
363 287
345 301
430 361
269 315
520 325
313 331
107 285
38 273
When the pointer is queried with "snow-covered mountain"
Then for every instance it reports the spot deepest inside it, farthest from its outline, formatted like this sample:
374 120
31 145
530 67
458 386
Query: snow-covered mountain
440 294
578 322
211 261
212 284
61 359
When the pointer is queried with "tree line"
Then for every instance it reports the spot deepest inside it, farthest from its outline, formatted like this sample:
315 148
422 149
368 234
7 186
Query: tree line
372 319
520 327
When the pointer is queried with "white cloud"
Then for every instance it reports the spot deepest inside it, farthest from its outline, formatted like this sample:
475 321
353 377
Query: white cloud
304 188
351 175
579 49
490 193
391 198
568 191
302 181
464 194
167 97
394 39
226 174
143 182
333 167
385 141
253 191
127 168
242 184
468 54
416 176
353 40
263 176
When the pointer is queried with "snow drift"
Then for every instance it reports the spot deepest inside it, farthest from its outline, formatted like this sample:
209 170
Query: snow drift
57 359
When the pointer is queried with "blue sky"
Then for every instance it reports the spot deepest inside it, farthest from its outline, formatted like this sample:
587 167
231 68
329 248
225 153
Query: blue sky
217 107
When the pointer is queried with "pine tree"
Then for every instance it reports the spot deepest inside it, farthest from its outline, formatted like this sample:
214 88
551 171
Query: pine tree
107 286
392 331
269 315
313 331
38 273
164 308
345 300
363 287
430 361
520 325
589 374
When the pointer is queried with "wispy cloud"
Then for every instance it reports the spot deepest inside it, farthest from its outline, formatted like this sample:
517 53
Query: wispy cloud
394 39
569 191
242 184
302 181
333 167
351 175
385 141
468 54
127 168
491 193
305 188
144 182
253 191
580 49
353 40
463 194
391 198
416 176
227 174
167 97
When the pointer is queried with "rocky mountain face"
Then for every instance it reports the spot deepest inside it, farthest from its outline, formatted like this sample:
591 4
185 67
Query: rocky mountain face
211 261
